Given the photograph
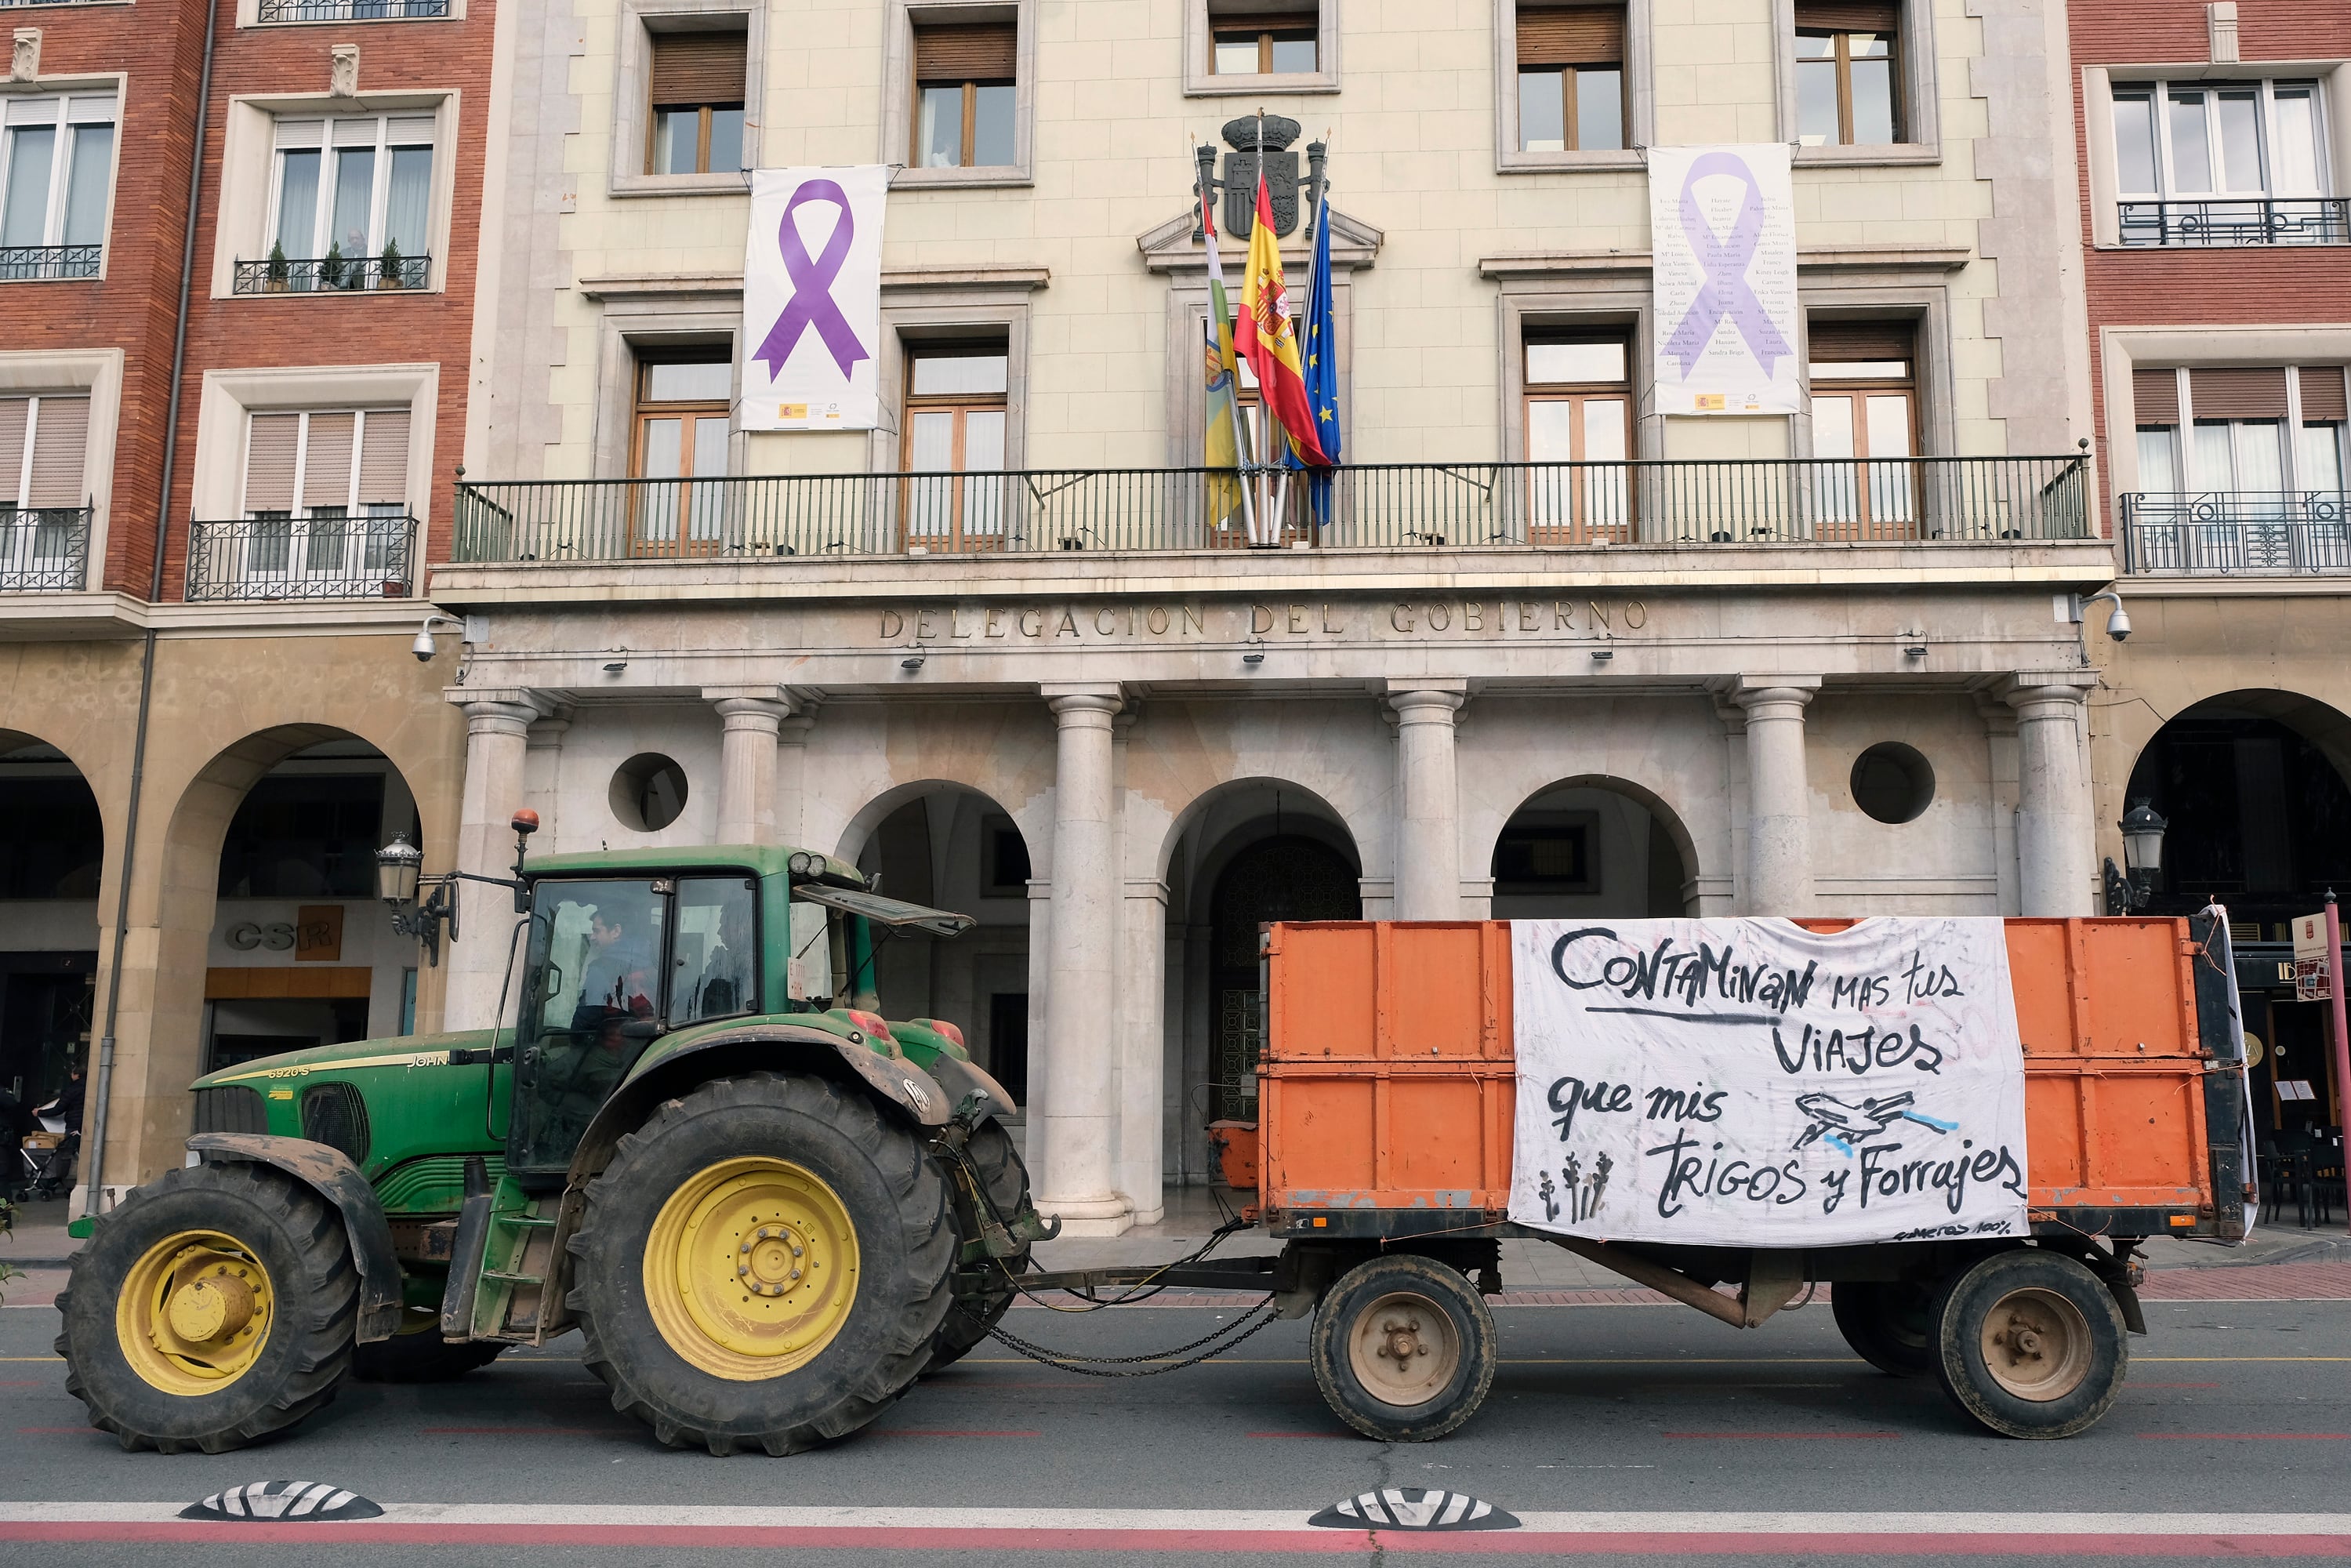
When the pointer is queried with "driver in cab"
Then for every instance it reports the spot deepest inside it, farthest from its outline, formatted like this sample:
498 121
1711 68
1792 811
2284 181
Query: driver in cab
617 987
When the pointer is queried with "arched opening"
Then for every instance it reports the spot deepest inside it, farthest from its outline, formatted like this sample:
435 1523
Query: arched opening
1591 848
2252 787
52 853
300 952
952 847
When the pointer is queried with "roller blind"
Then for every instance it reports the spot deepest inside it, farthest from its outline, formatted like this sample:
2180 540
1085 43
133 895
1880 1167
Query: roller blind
1846 16
2322 396
327 461
984 53
1572 34
2157 395
2247 392
13 413
383 457
1255 23
60 432
1840 343
269 462
697 67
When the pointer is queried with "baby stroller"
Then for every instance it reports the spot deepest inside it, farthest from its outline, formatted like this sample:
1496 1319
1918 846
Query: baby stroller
46 1157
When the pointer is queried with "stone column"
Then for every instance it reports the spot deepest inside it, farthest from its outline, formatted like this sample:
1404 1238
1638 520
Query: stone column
2054 842
1143 1059
791 780
542 782
1778 874
1076 1179
1428 799
753 716
497 731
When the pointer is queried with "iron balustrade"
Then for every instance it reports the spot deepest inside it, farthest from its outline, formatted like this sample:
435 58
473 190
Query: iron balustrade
1673 504
2219 221
352 10
20 262
43 550
332 275
323 555
2224 533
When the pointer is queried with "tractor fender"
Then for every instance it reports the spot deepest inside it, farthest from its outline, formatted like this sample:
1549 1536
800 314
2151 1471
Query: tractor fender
900 1087
329 1173
962 1078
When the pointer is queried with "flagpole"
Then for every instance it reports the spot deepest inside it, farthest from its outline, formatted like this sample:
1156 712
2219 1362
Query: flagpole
1276 497
1223 324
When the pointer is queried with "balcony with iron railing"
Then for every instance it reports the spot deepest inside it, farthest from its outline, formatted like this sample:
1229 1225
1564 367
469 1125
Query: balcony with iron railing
1687 506
26 262
43 550
333 274
326 556
352 10
2243 533
2223 221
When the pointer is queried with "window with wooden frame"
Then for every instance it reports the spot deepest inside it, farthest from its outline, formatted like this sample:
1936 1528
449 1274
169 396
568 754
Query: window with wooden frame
695 95
1864 407
682 420
1848 73
957 410
1280 43
2155 397
1578 413
2322 465
966 95
1572 78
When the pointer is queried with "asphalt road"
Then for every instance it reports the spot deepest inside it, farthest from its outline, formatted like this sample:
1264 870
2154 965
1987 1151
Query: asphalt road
1683 1430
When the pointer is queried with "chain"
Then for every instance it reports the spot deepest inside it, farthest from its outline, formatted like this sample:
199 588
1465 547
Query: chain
1229 1336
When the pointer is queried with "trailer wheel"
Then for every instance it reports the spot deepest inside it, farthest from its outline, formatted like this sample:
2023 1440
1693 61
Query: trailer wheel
417 1353
1402 1349
763 1265
215 1306
1889 1325
2031 1344
998 1166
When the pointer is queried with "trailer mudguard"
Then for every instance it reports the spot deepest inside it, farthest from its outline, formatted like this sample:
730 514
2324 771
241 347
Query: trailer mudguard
961 1079
329 1173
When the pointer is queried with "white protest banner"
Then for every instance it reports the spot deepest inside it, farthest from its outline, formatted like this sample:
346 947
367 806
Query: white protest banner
1749 1082
812 298
1722 236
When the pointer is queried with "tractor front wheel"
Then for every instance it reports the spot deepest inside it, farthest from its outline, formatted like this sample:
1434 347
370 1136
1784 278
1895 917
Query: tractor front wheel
216 1305
763 1265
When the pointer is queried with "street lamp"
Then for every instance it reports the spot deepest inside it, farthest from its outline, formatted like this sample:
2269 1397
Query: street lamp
399 879
2142 832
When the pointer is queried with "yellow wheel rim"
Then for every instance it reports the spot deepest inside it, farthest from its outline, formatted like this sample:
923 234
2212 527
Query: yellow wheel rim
194 1312
751 1269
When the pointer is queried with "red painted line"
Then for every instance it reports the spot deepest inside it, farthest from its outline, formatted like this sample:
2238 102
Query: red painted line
946 1432
528 1431
2135 1383
52 1430
2250 1437
1780 1437
1339 1435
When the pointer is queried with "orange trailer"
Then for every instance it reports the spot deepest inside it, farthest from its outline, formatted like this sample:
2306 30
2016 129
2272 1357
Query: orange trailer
1383 1156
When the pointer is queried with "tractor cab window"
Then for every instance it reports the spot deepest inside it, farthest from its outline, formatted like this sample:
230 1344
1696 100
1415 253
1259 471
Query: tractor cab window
592 999
714 967
819 970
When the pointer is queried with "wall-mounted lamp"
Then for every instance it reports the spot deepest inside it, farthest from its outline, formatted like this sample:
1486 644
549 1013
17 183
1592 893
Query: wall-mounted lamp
613 666
399 878
2128 891
1602 656
1913 650
914 660
1256 654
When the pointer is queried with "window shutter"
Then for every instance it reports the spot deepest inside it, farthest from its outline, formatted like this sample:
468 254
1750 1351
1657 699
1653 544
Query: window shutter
2323 399
355 131
966 54
699 67
411 130
383 457
1848 16
327 461
1572 36
294 135
2157 393
13 411
269 462
2247 392
1254 23
59 433
1843 342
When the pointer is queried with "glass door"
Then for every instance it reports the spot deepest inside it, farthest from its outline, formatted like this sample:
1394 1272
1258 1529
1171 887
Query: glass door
1579 440
683 419
955 413
1864 431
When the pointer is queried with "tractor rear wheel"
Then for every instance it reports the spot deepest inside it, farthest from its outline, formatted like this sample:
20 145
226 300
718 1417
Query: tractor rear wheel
215 1306
997 1163
418 1353
1889 1324
763 1265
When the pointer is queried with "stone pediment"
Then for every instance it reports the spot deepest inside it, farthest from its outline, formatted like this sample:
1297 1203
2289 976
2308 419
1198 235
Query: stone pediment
1170 247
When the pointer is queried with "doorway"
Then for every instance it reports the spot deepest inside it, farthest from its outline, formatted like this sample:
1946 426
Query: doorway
1284 877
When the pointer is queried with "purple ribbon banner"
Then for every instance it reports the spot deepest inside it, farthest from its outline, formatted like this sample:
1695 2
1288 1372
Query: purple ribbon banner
1724 292
811 304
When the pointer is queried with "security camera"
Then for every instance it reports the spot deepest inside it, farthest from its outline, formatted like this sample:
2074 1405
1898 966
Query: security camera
423 646
2118 624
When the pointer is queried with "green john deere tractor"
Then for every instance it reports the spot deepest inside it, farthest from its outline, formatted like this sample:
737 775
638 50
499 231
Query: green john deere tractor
766 1209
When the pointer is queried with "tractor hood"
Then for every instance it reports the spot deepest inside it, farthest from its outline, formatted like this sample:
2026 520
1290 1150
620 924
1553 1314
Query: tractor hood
403 1051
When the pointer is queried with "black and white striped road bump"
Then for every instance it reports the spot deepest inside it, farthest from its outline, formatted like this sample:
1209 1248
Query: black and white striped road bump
302 1501
1393 1508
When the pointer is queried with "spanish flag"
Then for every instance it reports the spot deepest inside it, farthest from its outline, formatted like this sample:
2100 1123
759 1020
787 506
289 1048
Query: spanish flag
1267 338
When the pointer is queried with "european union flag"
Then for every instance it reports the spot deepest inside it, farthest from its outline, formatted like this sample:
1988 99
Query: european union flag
1319 333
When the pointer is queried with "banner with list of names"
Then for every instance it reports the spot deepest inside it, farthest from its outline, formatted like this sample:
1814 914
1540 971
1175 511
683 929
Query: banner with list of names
1722 238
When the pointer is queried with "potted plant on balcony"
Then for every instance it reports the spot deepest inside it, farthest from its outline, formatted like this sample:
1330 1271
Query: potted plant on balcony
276 277
330 269
388 271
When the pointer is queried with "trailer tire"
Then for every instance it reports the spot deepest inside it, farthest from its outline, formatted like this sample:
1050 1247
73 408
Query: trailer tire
418 1353
2031 1344
1402 1349
791 1175
164 1358
1889 1324
996 1162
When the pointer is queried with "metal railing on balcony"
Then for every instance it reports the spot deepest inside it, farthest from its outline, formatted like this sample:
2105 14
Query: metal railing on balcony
332 275
43 550
329 556
352 10
2238 220
2223 533
19 262
1379 506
